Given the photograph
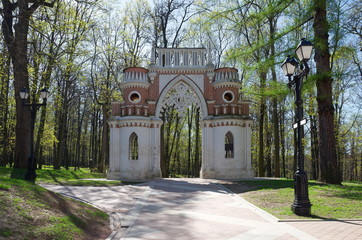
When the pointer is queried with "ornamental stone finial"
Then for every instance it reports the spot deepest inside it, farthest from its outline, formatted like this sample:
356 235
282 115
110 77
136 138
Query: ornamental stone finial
153 53
209 56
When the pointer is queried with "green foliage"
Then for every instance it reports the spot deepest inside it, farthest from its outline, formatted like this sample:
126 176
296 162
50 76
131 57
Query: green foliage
5 232
4 187
182 142
78 50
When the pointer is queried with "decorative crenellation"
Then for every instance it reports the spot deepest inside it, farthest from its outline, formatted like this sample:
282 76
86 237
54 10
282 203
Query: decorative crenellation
226 76
133 110
179 70
227 122
133 123
230 109
227 84
125 85
173 57
135 76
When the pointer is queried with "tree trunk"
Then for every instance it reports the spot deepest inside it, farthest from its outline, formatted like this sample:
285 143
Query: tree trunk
261 167
275 100
46 81
268 150
314 146
189 122
21 80
282 137
329 168
16 40
4 99
105 141
163 154
197 164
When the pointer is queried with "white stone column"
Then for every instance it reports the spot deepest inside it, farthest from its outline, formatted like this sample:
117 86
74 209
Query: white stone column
194 58
155 142
202 58
186 58
207 167
177 58
114 153
249 167
168 58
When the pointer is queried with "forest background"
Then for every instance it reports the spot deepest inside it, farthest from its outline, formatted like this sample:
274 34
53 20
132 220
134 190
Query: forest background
78 49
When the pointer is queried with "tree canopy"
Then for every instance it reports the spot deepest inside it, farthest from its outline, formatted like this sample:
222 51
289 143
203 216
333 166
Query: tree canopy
78 49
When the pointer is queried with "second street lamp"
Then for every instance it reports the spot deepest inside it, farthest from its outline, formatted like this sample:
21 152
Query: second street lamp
301 205
33 108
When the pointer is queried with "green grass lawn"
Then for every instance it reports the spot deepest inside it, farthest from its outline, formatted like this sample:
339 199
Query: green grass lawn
28 211
64 177
329 201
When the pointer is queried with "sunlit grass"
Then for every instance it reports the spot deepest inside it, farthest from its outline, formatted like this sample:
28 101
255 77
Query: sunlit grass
32 212
329 201
62 177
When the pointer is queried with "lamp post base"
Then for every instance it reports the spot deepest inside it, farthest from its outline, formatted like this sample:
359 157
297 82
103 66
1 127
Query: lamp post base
301 205
302 210
30 176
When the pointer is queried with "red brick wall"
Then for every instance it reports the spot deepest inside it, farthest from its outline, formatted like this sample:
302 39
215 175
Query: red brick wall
219 92
116 108
142 91
212 94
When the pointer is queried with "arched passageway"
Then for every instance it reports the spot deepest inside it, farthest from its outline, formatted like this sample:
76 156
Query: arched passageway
181 102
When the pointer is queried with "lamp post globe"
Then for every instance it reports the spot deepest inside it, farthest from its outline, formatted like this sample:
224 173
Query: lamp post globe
289 65
304 50
24 93
44 93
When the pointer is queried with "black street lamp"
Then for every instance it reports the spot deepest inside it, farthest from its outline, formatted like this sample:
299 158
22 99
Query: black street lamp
33 107
301 205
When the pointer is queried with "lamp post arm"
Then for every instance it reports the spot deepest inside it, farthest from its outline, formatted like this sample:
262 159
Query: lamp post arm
33 105
305 70
306 67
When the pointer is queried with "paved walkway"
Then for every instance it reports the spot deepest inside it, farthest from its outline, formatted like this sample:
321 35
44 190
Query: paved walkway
193 209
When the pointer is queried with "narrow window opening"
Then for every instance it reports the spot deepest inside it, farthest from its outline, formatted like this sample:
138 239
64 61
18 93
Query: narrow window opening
133 147
229 145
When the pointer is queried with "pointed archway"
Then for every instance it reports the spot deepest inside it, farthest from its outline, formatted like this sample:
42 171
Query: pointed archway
179 107
180 92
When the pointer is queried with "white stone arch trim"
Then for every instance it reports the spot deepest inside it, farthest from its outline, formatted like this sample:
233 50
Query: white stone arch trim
189 82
